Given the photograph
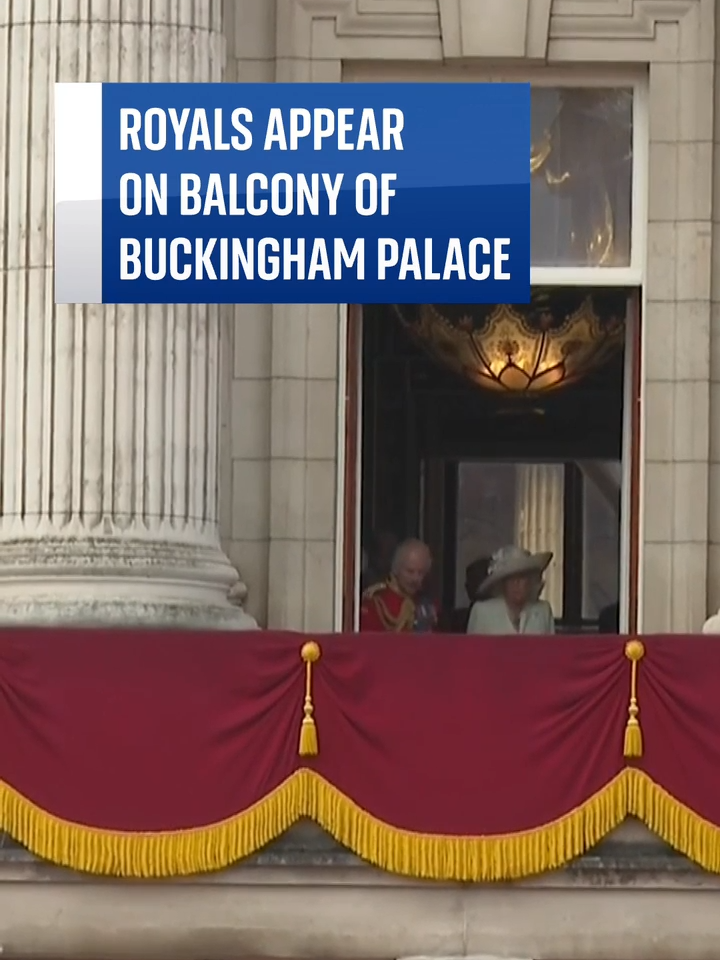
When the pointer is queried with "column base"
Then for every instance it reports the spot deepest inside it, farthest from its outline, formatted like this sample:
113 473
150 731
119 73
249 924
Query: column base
118 582
51 611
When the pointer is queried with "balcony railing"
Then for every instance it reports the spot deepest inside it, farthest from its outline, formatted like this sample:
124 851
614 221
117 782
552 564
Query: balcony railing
448 758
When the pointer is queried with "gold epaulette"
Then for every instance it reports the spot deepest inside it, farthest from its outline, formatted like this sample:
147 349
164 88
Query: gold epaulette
405 618
373 589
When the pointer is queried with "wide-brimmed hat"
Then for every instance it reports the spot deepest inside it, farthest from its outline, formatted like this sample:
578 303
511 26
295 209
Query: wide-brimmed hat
512 562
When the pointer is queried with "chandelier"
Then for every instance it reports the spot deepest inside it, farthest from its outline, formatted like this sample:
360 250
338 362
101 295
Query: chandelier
513 349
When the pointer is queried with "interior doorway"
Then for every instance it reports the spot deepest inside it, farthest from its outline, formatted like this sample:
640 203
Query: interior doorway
433 451
570 507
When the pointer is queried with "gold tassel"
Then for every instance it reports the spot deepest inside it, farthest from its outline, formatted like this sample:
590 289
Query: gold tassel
634 651
310 653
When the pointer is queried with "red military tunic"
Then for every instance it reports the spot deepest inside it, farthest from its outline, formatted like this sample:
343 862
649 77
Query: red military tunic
385 608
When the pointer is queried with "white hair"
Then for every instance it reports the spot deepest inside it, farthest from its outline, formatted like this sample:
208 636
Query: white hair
406 547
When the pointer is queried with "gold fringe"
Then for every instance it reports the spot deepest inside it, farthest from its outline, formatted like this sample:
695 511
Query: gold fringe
467 858
672 821
150 854
310 653
633 746
307 794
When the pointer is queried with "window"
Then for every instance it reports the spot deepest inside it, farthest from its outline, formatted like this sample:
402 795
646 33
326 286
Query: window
582 172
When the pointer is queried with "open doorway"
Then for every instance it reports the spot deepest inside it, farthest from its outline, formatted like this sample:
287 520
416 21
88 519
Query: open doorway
569 507
469 466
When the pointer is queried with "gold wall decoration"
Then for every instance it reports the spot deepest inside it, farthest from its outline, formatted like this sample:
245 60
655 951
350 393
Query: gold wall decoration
584 155
507 353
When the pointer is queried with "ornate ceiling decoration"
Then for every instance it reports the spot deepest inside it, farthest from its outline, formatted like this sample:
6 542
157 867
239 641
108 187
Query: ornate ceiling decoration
521 350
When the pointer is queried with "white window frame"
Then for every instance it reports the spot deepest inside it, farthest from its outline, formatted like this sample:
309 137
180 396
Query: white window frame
632 275
575 77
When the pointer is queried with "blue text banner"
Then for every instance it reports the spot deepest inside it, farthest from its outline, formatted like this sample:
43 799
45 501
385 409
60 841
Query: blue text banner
293 193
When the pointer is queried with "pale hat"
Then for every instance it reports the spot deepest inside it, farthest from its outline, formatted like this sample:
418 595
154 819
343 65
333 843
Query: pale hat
512 562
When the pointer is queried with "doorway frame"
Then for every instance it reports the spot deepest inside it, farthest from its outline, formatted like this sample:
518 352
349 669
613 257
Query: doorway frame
348 553
348 498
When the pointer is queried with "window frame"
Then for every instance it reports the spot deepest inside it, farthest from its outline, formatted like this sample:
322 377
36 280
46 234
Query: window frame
632 275
350 415
609 76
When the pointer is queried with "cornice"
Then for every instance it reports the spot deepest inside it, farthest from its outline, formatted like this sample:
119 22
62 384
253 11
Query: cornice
477 29
378 18
618 19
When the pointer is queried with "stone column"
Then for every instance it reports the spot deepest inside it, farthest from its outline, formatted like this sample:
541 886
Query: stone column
108 415
540 521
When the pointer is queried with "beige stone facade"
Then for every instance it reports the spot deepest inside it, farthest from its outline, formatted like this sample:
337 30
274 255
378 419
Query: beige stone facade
282 459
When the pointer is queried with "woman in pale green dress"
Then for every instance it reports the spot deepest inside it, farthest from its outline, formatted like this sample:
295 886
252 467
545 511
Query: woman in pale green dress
509 597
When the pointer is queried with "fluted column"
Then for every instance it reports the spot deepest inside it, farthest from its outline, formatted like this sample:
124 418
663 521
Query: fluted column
108 415
540 521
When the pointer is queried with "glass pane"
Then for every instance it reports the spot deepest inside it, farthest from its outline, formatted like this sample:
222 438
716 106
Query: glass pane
485 515
511 503
601 536
581 186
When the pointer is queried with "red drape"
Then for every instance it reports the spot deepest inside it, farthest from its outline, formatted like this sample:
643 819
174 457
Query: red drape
679 697
163 732
147 731
468 735
126 733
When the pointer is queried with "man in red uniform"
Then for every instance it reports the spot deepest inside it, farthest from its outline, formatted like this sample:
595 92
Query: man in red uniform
399 605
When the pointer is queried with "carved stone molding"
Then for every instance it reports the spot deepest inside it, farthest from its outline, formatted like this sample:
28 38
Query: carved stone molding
615 19
495 29
366 18
377 18
486 29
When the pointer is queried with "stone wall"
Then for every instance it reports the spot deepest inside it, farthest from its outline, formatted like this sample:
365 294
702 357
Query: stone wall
282 520
280 426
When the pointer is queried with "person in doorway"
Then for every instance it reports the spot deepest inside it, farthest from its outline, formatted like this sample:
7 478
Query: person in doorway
508 597
380 551
400 604
475 574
